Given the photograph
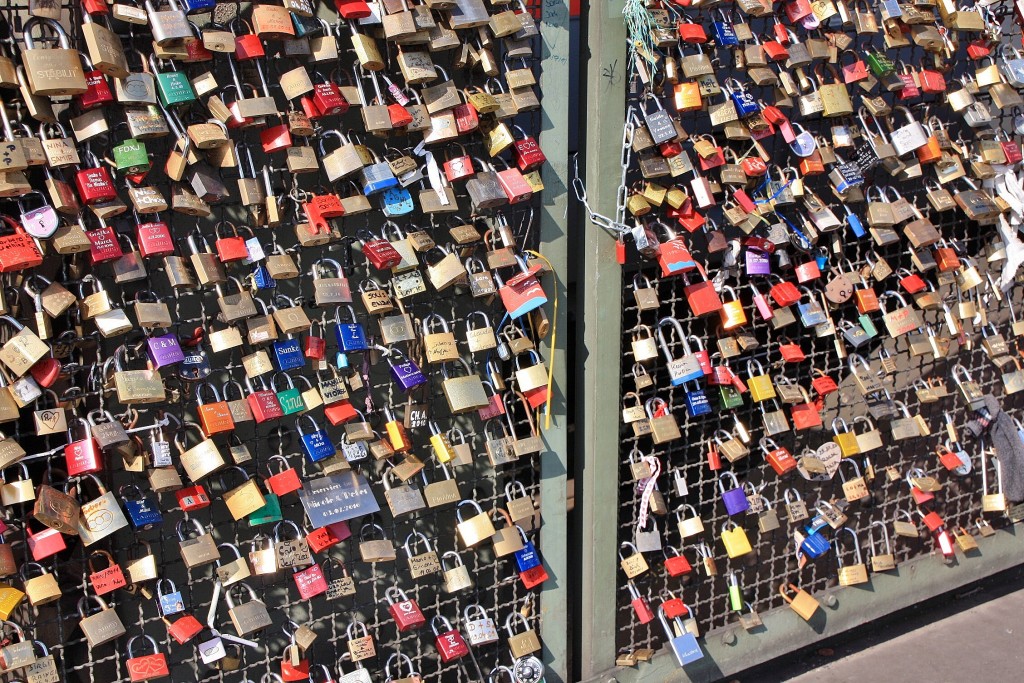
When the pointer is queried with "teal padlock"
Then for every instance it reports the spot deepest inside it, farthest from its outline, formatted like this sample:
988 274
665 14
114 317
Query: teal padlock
173 87
270 513
131 156
396 201
290 398
869 327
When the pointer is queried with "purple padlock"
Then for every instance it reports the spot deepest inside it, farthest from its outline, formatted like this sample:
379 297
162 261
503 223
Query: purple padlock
735 499
164 350
758 262
406 373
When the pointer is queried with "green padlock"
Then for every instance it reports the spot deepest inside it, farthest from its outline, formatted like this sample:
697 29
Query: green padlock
291 398
131 156
869 327
879 64
729 397
735 594
172 87
270 513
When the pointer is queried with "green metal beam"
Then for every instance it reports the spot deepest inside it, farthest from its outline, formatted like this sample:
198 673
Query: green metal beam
599 352
554 80
731 650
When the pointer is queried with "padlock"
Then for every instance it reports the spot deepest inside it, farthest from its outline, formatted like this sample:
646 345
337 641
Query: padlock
247 617
403 610
101 627
449 642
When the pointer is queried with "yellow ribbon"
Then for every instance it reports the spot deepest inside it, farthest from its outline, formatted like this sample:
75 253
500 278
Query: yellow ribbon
554 338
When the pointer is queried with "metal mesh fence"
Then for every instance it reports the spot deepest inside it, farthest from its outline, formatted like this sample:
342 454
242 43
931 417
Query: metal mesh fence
773 561
497 586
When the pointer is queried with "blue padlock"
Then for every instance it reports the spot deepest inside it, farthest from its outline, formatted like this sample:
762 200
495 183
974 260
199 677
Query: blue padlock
406 373
340 361
697 402
856 227
198 6
288 354
317 444
396 201
143 511
725 34
351 336
196 365
745 103
528 557
735 499
377 177
684 646
261 277
171 602
814 545
821 258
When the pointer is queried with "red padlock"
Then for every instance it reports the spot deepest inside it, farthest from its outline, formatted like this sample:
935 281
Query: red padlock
405 612
45 543
529 156
184 629
779 457
534 576
449 642
674 607
46 372
714 459
379 252
285 479
467 119
945 543
154 239
98 93
82 456
310 581
785 293
458 167
807 272
676 565
192 498
933 521
314 346
400 116
248 45
195 51
94 184
230 247
309 108
276 138
146 667
328 536
340 412
352 9
328 205
641 608
96 7
108 579
823 384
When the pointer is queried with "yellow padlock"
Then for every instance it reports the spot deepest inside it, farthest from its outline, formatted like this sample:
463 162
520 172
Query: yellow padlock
760 384
846 439
732 313
735 540
439 442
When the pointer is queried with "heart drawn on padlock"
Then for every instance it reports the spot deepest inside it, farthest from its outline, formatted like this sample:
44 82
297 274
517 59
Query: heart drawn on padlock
49 418
829 454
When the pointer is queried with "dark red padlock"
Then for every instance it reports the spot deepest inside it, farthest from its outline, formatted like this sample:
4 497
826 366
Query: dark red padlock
405 611
643 610
154 239
264 405
192 498
379 252
137 178
196 52
328 99
103 245
98 91
670 149
449 642
314 346
466 118
309 108
94 184
82 456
